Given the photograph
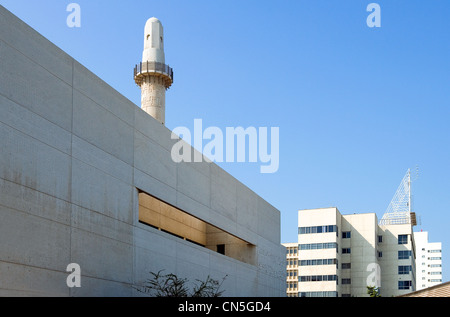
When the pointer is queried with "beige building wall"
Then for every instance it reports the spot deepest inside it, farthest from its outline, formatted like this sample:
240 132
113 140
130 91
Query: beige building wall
363 251
390 261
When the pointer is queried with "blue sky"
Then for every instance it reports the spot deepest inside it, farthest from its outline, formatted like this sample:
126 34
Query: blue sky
356 106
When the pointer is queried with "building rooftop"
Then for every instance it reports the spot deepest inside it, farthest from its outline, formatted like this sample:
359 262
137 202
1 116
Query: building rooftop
441 290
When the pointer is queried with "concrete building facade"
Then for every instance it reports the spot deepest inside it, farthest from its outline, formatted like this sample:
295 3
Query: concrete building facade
340 255
86 177
428 261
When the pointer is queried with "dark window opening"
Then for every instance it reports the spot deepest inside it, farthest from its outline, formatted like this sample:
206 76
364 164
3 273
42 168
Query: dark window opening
221 249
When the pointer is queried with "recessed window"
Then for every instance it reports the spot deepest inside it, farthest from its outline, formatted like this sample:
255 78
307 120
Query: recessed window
404 269
402 239
404 254
221 249
167 218
404 284
346 266
346 234
346 281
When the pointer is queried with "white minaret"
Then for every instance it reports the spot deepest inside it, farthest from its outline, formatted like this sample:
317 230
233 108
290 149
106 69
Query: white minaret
152 74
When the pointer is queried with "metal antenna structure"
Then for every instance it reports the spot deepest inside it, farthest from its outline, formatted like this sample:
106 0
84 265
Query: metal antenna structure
399 210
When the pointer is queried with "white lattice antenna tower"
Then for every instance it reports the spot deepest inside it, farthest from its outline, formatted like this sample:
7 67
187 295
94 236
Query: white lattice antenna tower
399 210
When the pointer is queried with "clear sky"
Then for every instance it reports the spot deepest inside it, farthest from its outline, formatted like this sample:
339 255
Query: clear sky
356 106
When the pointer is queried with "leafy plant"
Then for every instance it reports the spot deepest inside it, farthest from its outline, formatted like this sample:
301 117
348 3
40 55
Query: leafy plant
170 285
373 291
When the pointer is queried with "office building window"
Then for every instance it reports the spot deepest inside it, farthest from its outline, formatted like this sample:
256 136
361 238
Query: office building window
317 246
380 239
318 294
346 235
404 284
317 229
291 262
346 281
291 251
317 262
346 250
317 278
435 273
402 239
404 269
346 266
404 254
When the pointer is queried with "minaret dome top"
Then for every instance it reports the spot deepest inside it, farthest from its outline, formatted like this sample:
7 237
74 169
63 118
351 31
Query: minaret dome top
153 41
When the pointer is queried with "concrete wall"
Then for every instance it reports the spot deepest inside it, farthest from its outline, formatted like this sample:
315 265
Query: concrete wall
74 154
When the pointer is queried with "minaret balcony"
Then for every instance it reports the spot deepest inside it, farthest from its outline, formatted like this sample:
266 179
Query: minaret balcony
148 68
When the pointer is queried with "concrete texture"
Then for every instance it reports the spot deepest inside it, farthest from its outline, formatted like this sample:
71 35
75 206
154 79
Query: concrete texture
74 154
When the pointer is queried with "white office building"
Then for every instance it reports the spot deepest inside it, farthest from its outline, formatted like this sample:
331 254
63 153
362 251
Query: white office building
428 261
340 255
